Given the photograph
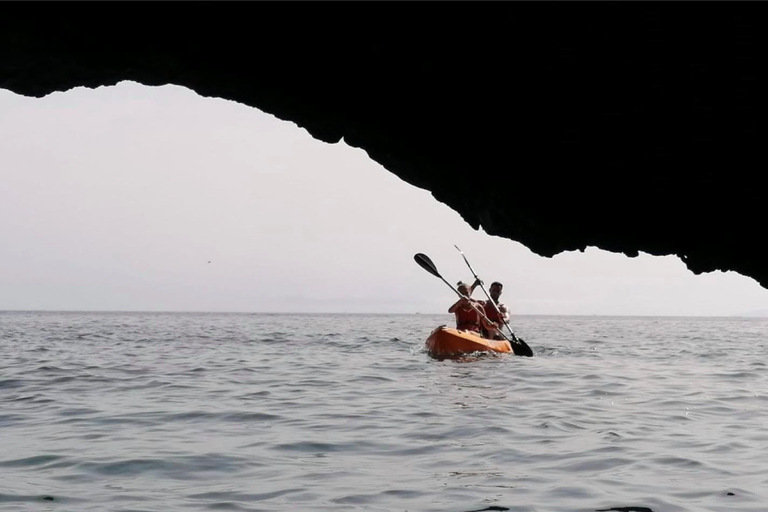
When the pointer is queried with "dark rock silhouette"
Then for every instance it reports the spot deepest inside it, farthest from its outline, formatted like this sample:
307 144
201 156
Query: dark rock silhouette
624 126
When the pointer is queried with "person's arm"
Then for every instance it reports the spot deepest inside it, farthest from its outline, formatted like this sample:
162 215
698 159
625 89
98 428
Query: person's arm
487 323
456 305
474 285
504 312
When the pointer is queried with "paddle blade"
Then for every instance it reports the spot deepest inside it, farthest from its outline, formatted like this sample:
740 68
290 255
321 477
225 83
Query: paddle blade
426 263
521 348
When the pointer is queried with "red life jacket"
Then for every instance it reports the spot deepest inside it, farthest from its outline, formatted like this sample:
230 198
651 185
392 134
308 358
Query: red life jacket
491 312
467 319
493 316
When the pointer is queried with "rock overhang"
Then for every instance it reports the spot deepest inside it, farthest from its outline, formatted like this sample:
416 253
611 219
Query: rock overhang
632 127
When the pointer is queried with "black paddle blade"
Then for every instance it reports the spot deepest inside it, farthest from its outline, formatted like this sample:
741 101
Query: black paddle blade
426 263
521 348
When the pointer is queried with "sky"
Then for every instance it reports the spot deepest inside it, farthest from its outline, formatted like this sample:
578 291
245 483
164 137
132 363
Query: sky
136 198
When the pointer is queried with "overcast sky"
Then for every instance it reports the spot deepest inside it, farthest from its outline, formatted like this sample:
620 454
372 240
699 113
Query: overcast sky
156 199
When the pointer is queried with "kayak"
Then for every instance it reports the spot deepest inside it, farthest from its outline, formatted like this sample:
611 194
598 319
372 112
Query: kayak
445 341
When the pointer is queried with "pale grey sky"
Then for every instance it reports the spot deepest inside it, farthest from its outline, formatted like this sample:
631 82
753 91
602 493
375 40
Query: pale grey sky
117 198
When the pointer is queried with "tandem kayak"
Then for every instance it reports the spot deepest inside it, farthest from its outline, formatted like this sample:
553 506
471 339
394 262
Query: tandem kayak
445 341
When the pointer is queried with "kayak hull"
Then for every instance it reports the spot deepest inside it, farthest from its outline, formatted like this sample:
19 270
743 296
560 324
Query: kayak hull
445 342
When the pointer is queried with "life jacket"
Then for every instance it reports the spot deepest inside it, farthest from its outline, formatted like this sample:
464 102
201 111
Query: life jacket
491 312
467 319
493 316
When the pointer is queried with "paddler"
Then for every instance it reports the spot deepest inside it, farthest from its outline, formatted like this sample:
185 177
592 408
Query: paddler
491 312
466 310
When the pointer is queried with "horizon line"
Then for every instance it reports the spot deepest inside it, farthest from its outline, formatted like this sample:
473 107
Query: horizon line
742 315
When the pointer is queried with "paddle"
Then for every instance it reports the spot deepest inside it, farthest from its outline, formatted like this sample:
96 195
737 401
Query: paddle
520 347
426 263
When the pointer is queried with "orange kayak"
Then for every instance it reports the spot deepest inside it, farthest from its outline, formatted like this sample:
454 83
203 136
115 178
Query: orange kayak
445 341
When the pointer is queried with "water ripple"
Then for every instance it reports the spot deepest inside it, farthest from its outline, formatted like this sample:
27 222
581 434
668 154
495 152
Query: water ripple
160 411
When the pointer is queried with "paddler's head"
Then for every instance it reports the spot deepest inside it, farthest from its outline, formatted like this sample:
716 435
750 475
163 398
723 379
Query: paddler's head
463 288
495 291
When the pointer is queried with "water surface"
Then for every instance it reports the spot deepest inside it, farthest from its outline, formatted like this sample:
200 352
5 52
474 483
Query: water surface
189 411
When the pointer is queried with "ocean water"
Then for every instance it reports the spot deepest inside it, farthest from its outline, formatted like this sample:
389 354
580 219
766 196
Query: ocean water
258 412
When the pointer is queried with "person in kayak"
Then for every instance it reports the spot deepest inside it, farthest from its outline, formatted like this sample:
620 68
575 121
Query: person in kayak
466 310
490 311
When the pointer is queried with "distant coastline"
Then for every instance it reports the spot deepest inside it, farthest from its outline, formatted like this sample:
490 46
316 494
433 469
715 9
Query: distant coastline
756 313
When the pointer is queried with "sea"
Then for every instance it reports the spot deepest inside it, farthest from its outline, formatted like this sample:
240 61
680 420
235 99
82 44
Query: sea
159 412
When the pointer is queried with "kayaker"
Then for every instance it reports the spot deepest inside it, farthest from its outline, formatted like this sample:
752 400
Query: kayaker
467 317
491 313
